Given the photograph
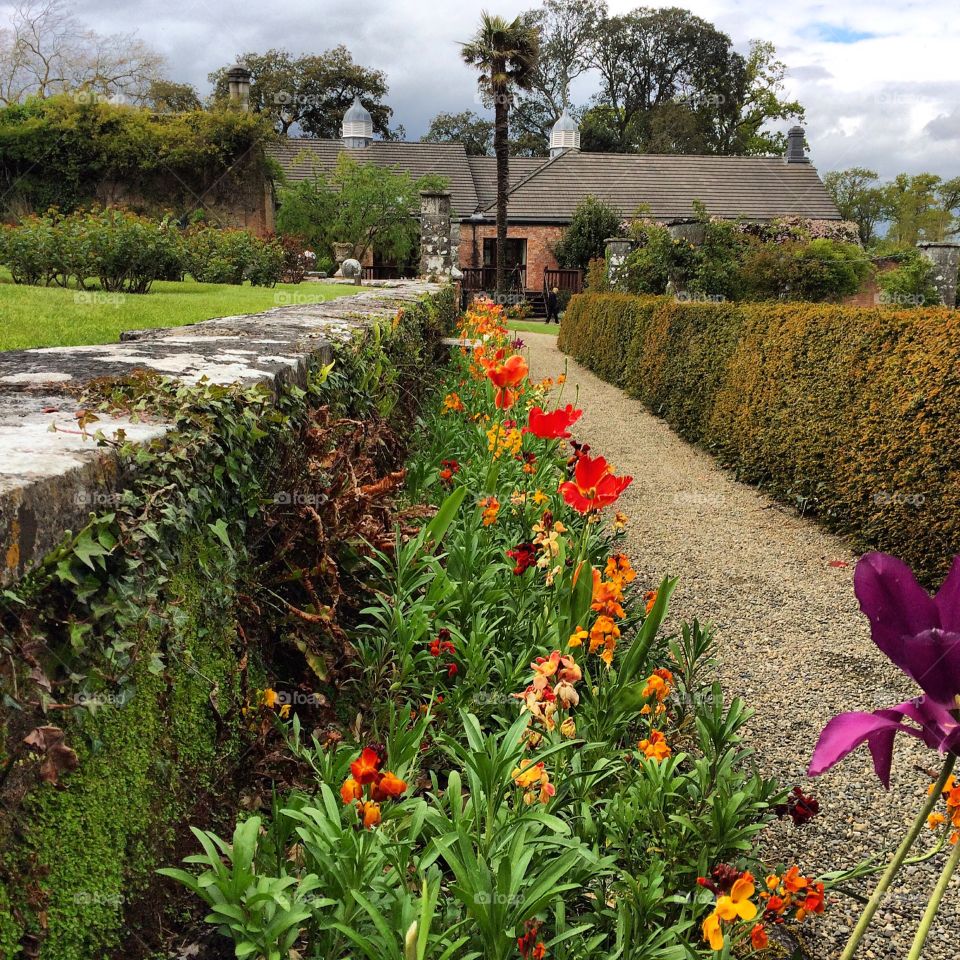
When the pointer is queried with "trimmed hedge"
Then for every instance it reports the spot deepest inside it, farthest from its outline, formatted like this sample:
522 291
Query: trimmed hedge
847 412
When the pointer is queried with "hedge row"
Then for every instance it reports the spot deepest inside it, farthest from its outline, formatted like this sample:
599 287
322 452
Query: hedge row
847 412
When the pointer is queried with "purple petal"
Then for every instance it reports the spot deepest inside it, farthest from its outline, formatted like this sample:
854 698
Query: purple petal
932 659
845 732
890 596
948 599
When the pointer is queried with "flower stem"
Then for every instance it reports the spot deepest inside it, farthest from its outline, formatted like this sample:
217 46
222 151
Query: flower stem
934 905
897 862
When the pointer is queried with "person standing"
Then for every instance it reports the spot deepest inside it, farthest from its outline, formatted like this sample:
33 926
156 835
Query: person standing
553 312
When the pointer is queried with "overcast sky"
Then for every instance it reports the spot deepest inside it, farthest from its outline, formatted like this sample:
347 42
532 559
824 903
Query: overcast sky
880 81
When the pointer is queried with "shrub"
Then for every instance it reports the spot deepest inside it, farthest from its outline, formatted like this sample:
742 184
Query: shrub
910 284
592 223
231 256
123 251
846 411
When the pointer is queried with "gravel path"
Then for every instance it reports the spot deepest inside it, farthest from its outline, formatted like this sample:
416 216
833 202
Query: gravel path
792 643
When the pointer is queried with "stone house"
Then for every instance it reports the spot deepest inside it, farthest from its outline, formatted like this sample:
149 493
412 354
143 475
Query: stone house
459 227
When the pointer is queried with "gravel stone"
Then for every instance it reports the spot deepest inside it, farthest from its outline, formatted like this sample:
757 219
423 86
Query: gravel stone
792 643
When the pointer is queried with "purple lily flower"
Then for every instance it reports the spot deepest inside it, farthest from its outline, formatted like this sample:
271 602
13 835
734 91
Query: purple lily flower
921 635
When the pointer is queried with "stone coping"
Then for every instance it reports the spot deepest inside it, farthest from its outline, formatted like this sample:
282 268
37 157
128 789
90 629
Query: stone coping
53 475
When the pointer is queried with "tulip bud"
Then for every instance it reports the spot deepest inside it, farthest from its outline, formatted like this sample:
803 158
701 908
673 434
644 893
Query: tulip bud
410 942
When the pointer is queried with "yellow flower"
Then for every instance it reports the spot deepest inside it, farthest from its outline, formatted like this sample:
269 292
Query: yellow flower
577 637
568 728
269 698
539 497
738 902
285 711
712 932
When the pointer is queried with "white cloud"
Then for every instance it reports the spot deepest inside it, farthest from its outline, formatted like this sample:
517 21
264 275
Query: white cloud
888 99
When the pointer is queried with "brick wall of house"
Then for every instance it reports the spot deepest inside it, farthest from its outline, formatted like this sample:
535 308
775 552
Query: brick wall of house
540 242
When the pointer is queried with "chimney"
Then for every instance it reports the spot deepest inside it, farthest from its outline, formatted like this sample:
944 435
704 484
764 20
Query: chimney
238 80
795 152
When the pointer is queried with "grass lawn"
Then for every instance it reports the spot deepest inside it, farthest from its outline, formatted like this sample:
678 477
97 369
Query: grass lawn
533 326
57 317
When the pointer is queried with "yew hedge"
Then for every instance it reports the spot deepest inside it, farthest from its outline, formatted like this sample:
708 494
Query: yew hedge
847 412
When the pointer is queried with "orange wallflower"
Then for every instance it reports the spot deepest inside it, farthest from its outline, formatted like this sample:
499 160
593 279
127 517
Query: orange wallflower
491 509
758 937
366 768
655 747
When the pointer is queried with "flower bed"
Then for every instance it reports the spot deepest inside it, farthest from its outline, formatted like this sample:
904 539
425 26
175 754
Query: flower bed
532 768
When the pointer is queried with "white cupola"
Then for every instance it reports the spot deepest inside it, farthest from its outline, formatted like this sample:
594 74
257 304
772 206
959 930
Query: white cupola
565 135
357 126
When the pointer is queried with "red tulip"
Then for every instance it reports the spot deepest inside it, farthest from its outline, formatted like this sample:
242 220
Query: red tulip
594 485
553 425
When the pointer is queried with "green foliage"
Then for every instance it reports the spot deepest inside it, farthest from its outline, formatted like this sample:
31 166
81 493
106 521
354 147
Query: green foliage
362 204
600 861
312 91
841 411
96 843
124 252
58 151
211 255
911 283
592 223
138 613
475 133
723 262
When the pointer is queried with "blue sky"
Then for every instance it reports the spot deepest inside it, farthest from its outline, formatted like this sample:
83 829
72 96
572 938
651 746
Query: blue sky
879 81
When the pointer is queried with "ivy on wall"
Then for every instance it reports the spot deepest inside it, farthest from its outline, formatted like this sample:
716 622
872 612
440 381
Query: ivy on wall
62 151
129 640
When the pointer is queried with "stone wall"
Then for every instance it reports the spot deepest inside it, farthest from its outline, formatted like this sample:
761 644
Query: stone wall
128 638
52 472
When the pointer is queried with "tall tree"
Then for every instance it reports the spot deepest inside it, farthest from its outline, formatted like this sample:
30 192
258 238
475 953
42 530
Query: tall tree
473 131
859 197
921 207
45 50
505 54
311 92
567 30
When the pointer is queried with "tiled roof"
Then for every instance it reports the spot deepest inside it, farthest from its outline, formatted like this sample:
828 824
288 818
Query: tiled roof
302 158
749 187
484 171
754 188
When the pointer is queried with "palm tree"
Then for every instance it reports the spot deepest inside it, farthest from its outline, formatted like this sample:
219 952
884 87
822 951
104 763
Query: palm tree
505 54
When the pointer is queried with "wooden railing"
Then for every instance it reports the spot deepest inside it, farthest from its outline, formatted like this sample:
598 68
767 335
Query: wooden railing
485 278
571 280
